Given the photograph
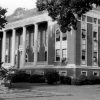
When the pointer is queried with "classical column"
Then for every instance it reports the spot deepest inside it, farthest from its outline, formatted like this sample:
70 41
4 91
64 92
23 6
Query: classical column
35 43
13 47
24 43
4 46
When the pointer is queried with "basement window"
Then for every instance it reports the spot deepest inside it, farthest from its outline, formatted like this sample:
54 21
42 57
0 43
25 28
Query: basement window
84 73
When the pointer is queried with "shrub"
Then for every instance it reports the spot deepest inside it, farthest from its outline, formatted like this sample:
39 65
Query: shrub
18 76
93 80
81 80
52 76
75 81
65 80
37 78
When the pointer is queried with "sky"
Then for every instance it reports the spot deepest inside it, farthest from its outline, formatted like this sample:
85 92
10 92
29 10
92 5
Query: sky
12 5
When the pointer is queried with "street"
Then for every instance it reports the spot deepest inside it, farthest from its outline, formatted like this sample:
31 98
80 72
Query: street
26 91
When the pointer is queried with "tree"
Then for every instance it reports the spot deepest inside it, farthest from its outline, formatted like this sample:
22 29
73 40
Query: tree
66 12
3 20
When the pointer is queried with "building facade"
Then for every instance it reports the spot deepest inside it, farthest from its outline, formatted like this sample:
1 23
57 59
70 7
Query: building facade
31 41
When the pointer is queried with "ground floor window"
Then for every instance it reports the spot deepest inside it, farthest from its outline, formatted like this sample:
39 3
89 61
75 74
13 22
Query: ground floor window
83 57
58 55
94 58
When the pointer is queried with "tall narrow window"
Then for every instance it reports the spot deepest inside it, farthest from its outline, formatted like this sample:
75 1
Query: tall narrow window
83 34
83 57
26 57
38 56
95 20
95 36
83 18
64 53
57 35
94 58
45 55
64 36
58 55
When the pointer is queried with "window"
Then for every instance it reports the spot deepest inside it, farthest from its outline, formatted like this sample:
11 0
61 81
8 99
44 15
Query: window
26 57
94 20
83 34
57 35
63 73
64 53
95 73
83 18
45 55
84 73
95 35
64 36
95 43
38 55
94 58
58 55
83 56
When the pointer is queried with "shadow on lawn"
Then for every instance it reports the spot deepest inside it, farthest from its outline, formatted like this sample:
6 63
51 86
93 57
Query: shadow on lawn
24 85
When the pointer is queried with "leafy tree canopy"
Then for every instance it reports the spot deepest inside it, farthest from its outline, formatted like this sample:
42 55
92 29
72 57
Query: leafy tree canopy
65 12
3 20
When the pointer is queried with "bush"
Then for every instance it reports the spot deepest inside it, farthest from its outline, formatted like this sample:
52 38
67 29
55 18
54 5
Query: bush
81 80
37 78
93 80
65 80
52 77
18 76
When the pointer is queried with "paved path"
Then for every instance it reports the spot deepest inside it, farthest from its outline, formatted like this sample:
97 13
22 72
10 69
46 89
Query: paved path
47 92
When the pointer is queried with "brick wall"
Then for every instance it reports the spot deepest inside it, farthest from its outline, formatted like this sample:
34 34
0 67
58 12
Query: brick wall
51 44
71 46
78 43
89 44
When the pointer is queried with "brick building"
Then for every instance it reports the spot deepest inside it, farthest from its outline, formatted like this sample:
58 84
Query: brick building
31 41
